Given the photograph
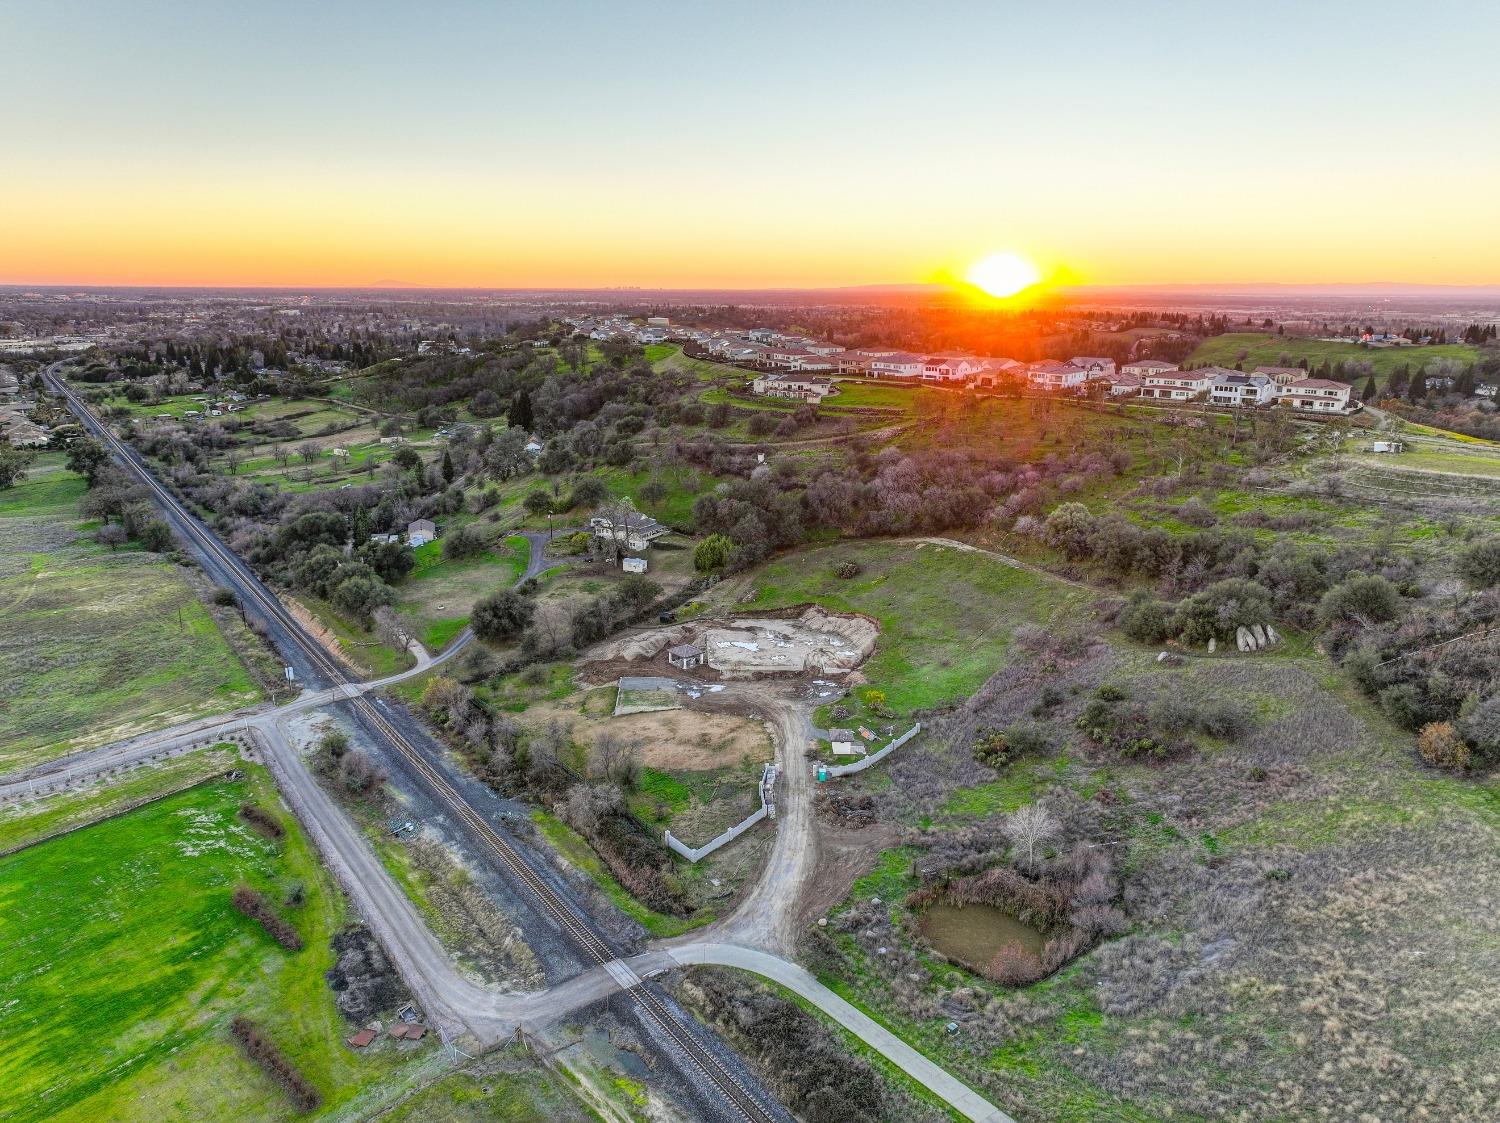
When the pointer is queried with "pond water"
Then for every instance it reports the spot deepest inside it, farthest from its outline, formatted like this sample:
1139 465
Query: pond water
972 934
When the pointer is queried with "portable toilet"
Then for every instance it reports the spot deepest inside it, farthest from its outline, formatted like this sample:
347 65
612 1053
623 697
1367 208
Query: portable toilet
822 773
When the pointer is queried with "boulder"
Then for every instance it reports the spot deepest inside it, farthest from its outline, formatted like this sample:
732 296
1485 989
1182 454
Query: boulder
1243 639
1259 633
1213 642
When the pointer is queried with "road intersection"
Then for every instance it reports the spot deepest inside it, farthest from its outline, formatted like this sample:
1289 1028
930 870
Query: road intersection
758 937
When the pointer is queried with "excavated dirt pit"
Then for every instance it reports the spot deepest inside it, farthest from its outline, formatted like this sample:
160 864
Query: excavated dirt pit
814 642
817 642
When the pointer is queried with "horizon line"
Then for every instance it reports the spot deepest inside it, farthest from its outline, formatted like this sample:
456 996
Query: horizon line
875 286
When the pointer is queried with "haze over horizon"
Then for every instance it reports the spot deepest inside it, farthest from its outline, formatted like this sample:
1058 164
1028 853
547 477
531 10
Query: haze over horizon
584 145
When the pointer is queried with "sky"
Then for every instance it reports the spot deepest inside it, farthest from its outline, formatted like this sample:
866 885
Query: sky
627 143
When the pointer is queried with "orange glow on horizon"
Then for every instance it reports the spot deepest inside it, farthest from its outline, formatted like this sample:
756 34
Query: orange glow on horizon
1003 275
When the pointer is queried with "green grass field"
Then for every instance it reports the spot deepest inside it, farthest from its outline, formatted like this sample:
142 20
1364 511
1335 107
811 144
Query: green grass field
520 1093
1436 459
95 645
125 963
23 823
683 485
1266 350
946 615
439 594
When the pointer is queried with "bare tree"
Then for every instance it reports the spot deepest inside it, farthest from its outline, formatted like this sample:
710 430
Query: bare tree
1029 827
619 517
308 450
616 759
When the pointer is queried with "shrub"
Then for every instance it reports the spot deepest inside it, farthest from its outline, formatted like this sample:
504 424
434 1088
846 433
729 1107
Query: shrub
1442 747
588 492
262 822
225 597
274 1063
1027 739
465 542
1146 620
1481 726
502 615
764 423
1220 609
713 553
1014 966
1363 599
247 902
155 536
1479 565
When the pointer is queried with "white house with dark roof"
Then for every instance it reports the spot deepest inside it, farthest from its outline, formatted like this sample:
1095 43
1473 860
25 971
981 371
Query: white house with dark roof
899 364
1235 389
1315 395
1093 365
950 368
793 384
1181 385
1143 368
1051 375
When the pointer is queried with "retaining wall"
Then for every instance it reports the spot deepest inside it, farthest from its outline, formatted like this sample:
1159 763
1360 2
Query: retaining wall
697 853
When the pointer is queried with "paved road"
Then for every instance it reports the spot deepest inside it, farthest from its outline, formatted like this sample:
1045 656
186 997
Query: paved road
160 743
459 1006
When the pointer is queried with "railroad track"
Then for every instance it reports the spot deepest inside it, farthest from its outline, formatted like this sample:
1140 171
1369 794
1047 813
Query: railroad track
567 917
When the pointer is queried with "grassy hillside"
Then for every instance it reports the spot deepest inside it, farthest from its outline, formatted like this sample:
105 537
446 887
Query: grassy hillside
95 644
1299 893
1262 349
941 634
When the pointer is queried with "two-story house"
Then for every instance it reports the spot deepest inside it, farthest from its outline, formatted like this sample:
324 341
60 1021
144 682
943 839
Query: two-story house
1319 395
1236 389
1181 385
1055 377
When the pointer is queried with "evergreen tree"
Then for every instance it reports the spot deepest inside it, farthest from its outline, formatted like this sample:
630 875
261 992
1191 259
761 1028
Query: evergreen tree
520 412
447 467
1369 391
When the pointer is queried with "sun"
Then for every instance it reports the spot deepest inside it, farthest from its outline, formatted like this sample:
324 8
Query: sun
1003 274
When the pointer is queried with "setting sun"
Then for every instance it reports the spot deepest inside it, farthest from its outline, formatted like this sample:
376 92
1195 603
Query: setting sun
1003 274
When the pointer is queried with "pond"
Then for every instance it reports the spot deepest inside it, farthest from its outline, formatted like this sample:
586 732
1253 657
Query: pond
973 934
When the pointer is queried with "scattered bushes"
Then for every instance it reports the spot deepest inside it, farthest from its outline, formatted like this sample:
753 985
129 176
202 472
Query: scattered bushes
274 1063
800 1060
997 748
247 902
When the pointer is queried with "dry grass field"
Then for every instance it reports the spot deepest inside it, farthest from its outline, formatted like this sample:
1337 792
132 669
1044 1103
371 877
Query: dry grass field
95 644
